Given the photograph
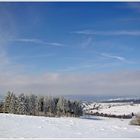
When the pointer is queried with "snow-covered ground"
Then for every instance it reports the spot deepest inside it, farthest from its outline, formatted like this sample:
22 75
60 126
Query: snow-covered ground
21 126
113 108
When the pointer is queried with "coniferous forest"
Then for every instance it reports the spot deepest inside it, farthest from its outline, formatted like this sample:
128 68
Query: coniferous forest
40 106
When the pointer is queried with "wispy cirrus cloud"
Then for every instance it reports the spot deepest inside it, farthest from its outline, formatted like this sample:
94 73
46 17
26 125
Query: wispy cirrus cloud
120 58
108 33
86 43
34 56
36 41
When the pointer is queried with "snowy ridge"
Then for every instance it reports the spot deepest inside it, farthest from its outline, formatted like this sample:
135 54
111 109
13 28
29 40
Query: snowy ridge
123 99
128 99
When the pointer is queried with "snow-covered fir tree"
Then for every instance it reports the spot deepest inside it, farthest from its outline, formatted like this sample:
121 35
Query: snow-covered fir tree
41 106
7 102
33 105
13 104
21 104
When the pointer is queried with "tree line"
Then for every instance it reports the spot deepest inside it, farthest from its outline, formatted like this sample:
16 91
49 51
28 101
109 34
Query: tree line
41 105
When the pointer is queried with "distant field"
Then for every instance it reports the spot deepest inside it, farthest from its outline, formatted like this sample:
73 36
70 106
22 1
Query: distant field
120 108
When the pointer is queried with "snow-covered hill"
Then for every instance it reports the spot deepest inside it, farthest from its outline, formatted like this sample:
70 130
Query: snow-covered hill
21 126
126 108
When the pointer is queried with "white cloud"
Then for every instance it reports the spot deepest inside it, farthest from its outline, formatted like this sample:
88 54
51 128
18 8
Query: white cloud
113 56
36 41
119 58
33 56
108 33
87 43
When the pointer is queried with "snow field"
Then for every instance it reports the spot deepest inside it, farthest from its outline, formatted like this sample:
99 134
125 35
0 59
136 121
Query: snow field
22 126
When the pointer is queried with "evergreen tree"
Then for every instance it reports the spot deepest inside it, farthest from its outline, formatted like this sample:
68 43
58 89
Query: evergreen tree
55 100
13 104
60 106
7 102
1 107
33 105
66 107
27 107
41 105
52 106
46 106
77 109
21 109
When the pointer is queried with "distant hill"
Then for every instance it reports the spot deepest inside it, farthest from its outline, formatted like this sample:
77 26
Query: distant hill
117 100
104 99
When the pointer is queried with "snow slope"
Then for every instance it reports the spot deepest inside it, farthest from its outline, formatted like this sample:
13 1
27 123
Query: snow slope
21 126
113 108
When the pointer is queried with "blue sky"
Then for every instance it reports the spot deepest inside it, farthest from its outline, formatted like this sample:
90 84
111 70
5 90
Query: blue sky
68 39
